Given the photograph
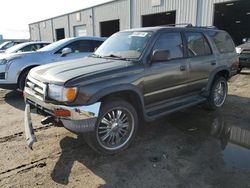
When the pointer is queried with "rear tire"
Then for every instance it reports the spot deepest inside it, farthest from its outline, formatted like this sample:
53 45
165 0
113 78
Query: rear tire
22 80
115 129
218 94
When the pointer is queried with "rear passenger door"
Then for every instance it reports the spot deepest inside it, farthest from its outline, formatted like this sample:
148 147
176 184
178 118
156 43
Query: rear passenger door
166 79
200 60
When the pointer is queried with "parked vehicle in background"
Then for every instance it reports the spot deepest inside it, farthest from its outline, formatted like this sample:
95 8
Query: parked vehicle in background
26 47
5 45
15 67
244 54
146 73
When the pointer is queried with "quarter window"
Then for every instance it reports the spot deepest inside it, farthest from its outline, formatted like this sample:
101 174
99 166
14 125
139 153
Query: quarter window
171 42
197 45
223 41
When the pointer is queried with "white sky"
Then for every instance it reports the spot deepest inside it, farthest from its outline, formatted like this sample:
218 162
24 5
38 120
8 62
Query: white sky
15 15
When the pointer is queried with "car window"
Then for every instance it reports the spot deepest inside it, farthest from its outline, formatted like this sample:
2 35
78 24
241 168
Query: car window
223 41
197 44
171 42
28 48
79 46
96 44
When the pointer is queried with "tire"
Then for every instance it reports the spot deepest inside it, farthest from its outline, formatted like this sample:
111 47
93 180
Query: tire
109 137
22 79
218 94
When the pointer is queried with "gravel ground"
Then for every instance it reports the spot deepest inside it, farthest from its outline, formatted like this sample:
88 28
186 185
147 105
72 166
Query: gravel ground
190 148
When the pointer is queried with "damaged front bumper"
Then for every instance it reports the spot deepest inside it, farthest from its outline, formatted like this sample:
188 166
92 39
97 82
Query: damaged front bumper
80 119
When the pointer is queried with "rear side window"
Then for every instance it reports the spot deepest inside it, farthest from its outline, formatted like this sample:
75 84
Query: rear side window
171 42
223 41
197 44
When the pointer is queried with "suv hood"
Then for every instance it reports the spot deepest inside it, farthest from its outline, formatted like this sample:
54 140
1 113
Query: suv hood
61 72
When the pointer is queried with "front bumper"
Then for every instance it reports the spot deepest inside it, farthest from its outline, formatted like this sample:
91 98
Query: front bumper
82 118
244 61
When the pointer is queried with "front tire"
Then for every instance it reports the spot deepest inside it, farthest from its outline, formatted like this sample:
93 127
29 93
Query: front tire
218 94
22 80
115 129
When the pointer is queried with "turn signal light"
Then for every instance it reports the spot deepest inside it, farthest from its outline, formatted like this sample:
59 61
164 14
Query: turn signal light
71 94
62 113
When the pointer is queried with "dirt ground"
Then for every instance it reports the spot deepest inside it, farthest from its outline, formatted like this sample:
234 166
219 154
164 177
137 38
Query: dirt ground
191 148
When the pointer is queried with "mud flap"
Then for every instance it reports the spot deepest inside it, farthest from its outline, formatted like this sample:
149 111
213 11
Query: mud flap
29 132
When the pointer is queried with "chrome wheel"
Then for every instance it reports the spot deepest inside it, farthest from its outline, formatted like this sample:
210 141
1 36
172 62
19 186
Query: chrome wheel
115 128
220 93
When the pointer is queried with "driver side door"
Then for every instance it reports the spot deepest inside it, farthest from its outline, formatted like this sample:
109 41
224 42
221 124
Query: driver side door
166 79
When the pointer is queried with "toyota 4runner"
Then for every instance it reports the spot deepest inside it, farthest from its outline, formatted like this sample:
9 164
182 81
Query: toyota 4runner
136 74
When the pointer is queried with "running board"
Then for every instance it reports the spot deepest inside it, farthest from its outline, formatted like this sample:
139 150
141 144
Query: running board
157 111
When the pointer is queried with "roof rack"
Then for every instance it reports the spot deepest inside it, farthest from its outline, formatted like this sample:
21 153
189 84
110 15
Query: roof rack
189 25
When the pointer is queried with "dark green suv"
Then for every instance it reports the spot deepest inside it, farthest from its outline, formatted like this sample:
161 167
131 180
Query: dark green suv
136 74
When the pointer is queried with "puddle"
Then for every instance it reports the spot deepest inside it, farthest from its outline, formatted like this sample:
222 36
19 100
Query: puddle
234 140
237 157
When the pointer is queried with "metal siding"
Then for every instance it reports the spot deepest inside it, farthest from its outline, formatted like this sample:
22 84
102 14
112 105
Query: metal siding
46 32
34 32
208 11
86 19
185 10
61 22
112 11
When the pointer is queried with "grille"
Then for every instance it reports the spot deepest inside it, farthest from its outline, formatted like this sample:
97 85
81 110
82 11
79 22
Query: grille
37 87
246 51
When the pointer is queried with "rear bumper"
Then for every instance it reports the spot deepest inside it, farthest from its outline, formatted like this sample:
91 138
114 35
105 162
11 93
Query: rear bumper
81 119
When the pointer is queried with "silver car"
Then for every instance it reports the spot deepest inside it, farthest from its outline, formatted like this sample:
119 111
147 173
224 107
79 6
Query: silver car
24 47
14 68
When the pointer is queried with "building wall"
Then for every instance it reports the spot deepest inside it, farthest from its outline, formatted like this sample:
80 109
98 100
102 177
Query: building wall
207 11
112 11
35 32
86 18
61 22
129 12
185 10
46 30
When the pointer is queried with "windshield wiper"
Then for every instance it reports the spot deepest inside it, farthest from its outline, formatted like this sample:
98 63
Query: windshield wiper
116 56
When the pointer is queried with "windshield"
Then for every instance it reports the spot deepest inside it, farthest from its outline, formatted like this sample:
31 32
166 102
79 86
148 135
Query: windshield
54 45
14 48
129 45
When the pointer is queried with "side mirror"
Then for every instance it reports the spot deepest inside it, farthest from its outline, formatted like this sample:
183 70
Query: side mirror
244 40
66 51
160 55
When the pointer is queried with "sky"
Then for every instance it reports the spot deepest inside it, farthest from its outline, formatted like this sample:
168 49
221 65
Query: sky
15 15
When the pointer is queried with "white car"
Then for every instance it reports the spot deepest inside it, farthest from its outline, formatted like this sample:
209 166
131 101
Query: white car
14 68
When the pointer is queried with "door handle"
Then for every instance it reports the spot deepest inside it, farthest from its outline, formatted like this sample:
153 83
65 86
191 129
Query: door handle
182 68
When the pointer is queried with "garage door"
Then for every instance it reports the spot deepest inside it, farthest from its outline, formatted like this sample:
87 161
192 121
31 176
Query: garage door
234 18
80 31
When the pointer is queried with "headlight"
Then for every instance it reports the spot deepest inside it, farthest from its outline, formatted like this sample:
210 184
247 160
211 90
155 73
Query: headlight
238 50
62 94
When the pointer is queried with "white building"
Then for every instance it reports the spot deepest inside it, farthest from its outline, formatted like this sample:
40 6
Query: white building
108 18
